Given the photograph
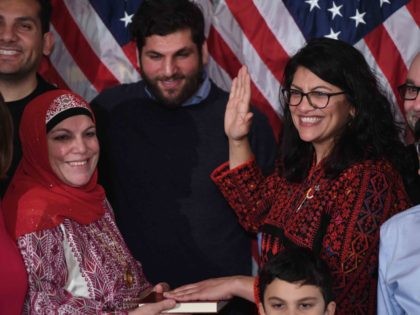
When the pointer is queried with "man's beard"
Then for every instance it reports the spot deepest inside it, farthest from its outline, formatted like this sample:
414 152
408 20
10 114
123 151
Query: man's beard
417 131
192 83
20 74
14 77
412 119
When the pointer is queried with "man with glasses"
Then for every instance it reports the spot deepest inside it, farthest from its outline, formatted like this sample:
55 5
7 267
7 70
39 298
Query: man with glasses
399 254
409 92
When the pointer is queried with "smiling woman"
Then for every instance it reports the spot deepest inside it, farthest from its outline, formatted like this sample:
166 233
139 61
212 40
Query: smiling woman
76 259
73 149
338 176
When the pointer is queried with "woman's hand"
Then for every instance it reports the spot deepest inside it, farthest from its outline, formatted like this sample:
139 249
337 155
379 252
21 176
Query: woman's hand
214 289
238 117
161 287
158 307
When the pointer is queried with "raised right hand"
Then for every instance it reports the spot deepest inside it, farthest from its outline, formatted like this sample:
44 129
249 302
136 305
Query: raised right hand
238 118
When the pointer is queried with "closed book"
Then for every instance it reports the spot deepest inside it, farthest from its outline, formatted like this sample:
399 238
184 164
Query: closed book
193 307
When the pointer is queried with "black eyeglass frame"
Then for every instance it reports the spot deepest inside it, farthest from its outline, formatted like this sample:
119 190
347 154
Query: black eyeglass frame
308 97
402 88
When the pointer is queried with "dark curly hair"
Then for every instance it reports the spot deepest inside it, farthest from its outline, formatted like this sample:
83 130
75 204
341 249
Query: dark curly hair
297 265
164 17
373 132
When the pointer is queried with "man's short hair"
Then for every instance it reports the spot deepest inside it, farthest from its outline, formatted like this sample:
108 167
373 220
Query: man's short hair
296 265
45 15
164 17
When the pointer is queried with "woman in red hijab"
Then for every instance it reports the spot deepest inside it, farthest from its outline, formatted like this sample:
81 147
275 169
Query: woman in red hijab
75 256
13 278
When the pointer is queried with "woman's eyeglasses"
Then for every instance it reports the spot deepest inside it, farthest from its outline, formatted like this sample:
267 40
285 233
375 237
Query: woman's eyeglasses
317 100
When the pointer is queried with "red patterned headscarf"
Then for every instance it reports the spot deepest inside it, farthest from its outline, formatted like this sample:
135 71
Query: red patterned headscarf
37 199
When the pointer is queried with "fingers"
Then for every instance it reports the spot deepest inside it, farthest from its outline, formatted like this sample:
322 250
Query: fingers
247 118
186 296
232 95
247 87
237 116
186 287
240 90
156 308
161 287
187 292
244 89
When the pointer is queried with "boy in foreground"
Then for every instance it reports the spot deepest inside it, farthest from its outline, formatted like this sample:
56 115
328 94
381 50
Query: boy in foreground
295 282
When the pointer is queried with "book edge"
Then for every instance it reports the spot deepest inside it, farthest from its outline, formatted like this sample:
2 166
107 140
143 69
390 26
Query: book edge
196 307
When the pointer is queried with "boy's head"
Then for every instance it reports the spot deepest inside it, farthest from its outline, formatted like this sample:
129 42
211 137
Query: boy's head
295 281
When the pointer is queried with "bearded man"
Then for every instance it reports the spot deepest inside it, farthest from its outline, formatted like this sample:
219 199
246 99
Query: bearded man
160 139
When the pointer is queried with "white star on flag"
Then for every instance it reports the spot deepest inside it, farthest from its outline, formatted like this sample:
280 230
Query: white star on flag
358 17
313 4
332 34
384 1
335 10
127 19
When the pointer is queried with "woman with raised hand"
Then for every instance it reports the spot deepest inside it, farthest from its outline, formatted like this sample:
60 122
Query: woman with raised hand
76 259
338 176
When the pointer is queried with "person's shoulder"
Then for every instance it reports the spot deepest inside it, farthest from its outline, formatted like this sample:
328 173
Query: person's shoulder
119 94
216 92
403 220
124 91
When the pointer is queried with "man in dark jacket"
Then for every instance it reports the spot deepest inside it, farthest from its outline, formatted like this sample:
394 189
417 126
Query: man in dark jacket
160 140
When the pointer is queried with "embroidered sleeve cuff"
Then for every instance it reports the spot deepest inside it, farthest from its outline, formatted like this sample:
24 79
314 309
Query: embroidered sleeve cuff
223 170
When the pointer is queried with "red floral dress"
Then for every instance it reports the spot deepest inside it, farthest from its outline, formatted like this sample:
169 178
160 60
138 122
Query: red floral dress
337 218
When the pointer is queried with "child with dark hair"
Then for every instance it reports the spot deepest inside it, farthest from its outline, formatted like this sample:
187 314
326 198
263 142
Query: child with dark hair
295 281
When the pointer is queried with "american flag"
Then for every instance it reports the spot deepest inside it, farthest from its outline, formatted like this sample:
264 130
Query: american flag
93 48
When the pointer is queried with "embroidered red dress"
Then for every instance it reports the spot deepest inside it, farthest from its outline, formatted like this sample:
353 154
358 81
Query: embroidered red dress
339 218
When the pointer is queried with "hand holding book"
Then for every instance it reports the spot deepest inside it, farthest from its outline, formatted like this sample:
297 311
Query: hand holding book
157 307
